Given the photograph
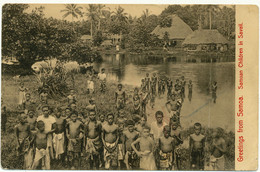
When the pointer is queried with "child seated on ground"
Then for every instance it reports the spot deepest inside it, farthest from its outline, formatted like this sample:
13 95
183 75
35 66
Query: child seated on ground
166 150
146 143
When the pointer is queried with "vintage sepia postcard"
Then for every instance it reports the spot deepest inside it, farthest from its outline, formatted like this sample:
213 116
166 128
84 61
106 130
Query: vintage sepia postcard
129 87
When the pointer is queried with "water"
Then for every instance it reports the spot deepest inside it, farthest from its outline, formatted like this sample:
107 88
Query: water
130 69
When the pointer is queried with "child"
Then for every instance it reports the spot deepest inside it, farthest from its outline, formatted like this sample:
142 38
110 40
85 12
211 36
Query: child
144 101
140 125
214 91
178 85
102 77
174 106
190 85
59 136
72 97
90 86
31 119
176 134
146 143
147 82
44 95
73 107
131 159
102 119
153 84
120 97
183 83
22 133
163 85
94 145
74 133
136 99
197 144
92 106
110 138
28 104
42 154
143 85
21 98
169 87
166 149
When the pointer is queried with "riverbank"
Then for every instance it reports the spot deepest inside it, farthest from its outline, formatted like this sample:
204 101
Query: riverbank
105 103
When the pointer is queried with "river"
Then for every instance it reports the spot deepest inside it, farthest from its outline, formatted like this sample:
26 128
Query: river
130 69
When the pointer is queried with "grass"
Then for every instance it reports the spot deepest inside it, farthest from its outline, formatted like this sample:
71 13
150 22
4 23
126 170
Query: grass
105 103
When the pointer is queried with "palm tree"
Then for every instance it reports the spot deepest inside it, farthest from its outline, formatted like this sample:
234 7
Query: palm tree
146 14
101 11
121 17
73 10
92 15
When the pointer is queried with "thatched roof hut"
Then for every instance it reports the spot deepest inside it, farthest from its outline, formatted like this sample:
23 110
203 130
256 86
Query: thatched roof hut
178 30
107 43
205 39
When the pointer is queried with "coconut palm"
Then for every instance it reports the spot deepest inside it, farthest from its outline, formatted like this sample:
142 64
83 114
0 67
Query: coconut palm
120 17
73 10
92 15
101 11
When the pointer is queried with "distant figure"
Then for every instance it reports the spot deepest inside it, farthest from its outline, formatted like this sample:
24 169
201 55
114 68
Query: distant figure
120 97
214 91
183 84
147 82
190 85
197 145
102 77
153 83
169 87
21 97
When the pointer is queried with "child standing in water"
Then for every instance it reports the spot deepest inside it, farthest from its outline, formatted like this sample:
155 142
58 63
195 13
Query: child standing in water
147 161
190 85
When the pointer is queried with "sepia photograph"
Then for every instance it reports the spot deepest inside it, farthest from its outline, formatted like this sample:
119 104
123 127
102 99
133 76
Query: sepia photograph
118 87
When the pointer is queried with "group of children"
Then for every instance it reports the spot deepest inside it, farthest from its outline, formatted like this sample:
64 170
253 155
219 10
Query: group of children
47 137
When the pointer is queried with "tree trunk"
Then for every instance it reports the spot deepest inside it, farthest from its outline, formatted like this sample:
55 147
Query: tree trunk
210 19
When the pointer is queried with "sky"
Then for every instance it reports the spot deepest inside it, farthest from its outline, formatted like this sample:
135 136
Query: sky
53 10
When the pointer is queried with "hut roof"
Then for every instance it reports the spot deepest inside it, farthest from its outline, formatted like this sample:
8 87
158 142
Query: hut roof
178 30
205 36
86 37
107 43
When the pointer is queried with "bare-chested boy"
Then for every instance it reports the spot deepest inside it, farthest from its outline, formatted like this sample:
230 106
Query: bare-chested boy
218 150
42 154
153 83
22 132
110 138
120 97
137 102
31 119
190 85
94 145
146 143
166 150
176 134
169 87
131 159
28 104
74 132
59 136
197 144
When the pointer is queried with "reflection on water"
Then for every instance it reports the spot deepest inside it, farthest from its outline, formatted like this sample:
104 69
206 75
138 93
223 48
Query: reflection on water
130 69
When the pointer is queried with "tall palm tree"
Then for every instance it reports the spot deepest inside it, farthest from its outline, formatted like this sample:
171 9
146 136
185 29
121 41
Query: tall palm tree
92 15
121 17
73 10
101 11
